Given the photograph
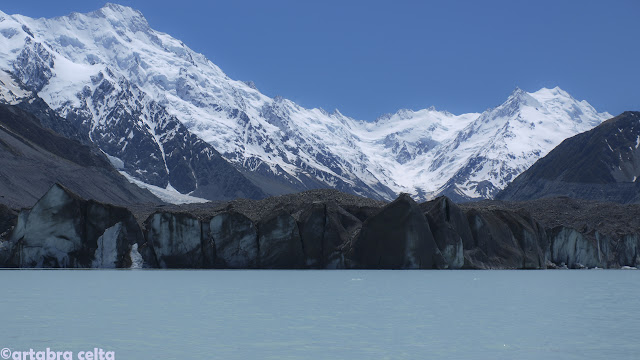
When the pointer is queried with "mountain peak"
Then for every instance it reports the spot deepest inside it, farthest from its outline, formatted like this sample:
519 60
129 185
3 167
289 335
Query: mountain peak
126 15
119 8
517 92
521 97
553 92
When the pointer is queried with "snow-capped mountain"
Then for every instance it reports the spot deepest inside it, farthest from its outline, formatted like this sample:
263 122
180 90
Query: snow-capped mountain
505 141
163 110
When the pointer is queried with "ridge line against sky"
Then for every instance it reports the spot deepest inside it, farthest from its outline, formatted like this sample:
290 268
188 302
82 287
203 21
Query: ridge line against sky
368 58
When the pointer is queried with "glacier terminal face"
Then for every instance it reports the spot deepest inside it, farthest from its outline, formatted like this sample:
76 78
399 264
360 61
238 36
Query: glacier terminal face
174 119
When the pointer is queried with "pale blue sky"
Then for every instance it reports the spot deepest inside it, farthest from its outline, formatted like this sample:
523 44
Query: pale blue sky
367 58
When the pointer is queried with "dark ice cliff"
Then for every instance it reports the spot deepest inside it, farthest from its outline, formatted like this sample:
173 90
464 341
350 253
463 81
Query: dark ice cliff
320 229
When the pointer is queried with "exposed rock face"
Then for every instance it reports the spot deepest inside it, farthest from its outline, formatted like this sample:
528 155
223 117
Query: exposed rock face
33 158
34 64
62 230
397 237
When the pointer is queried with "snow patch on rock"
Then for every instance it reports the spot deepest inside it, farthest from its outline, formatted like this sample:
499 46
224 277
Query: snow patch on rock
169 194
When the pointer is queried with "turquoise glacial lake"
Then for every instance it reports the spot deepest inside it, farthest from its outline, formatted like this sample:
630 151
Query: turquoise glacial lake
552 314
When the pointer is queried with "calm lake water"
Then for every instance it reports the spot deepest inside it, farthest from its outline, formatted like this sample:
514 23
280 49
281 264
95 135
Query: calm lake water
552 314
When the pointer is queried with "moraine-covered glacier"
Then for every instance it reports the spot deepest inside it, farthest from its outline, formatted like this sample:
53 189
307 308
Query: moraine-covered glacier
172 119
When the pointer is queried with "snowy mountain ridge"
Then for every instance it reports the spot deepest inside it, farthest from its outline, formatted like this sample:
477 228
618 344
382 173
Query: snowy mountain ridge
140 95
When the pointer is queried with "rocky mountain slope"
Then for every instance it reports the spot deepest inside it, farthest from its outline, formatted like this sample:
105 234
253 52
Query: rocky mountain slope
601 164
323 229
198 168
146 99
33 158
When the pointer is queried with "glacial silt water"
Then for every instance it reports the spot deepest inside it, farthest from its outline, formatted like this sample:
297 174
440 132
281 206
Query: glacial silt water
550 314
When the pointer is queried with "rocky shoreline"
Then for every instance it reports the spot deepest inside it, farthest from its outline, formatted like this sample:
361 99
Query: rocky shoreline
320 229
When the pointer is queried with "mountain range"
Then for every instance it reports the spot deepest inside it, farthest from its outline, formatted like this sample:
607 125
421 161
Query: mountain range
171 120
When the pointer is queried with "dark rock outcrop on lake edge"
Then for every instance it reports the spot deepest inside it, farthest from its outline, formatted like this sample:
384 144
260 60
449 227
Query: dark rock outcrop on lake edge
323 229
